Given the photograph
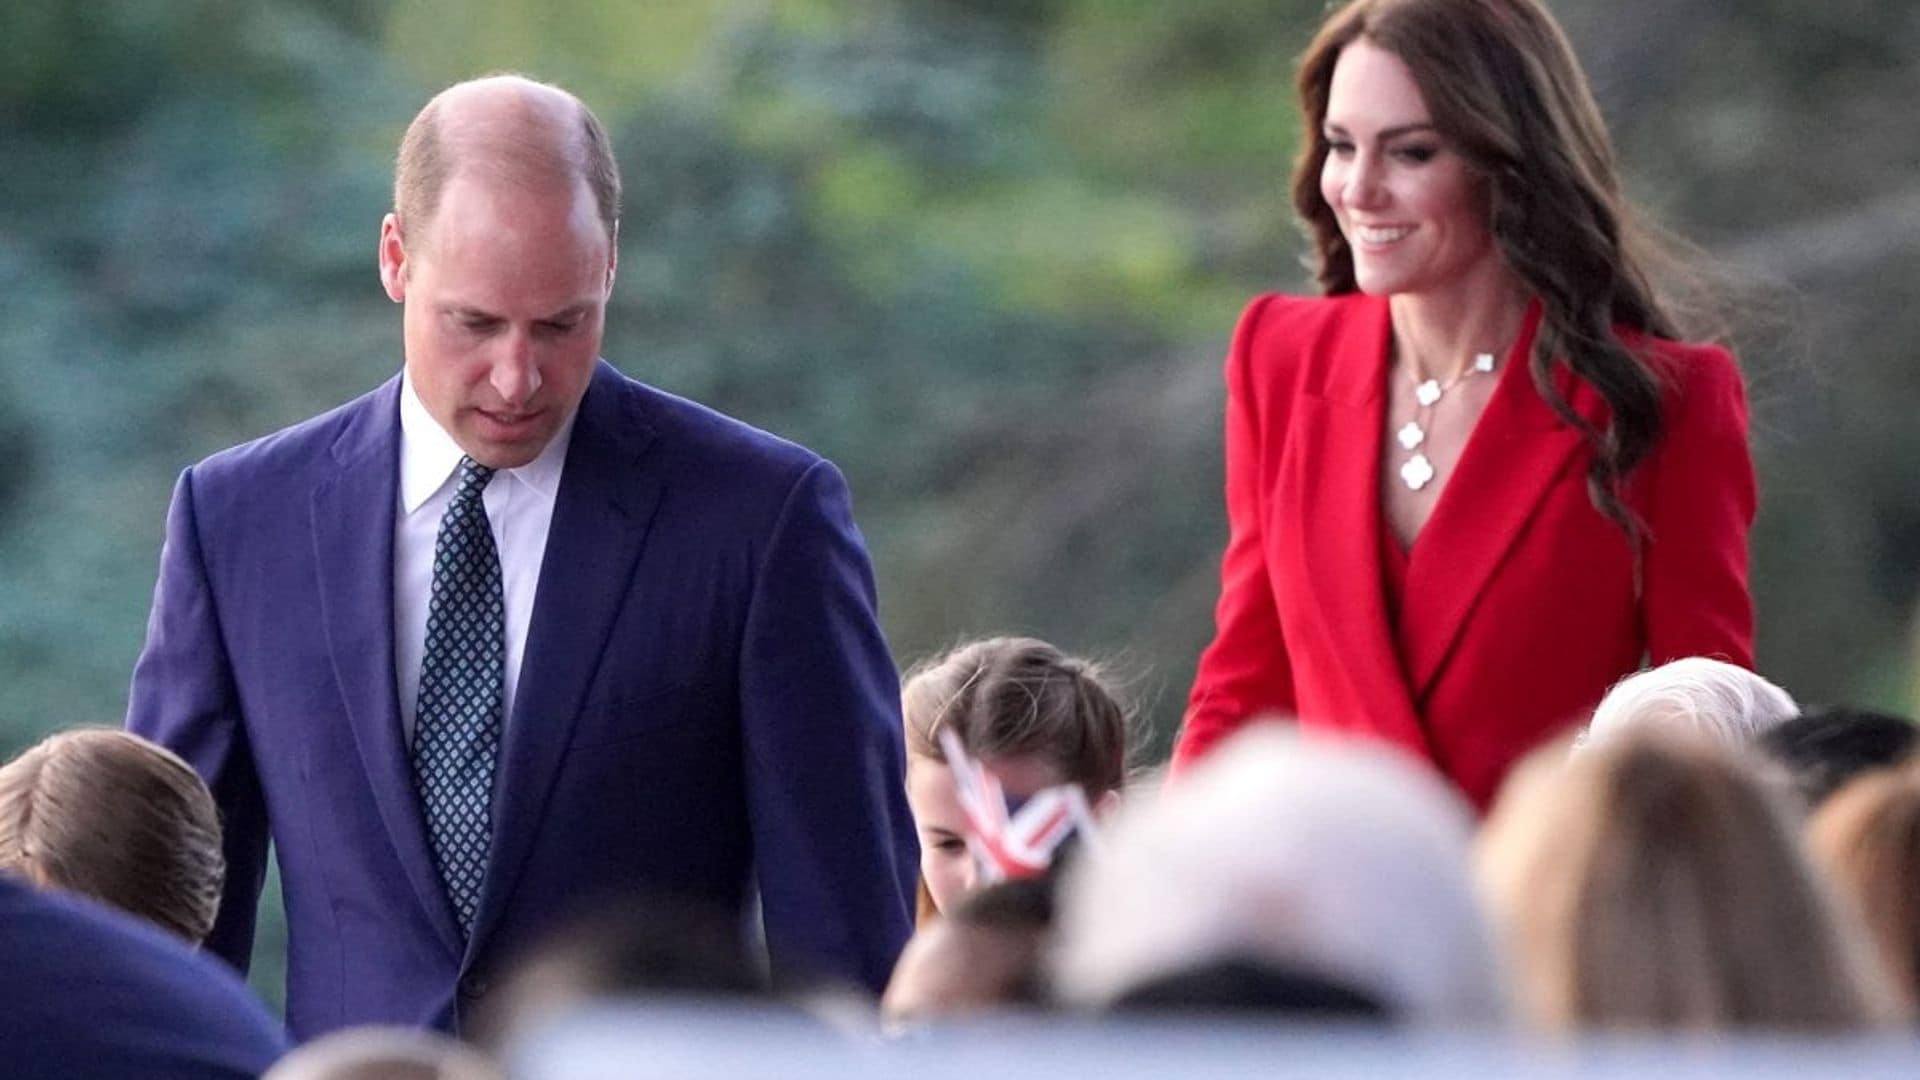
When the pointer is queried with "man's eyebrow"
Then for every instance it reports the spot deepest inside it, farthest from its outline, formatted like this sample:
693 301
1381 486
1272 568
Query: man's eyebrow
468 311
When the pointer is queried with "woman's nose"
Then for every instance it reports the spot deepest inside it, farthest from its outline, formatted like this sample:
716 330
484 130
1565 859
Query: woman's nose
1364 188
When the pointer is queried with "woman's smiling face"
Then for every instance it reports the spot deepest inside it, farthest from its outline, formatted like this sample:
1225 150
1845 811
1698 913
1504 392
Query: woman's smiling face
1412 210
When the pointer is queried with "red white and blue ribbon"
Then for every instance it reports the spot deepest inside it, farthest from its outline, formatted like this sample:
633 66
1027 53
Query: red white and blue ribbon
1013 840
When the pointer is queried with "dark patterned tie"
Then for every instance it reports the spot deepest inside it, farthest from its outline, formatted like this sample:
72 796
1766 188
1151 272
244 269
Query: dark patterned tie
456 734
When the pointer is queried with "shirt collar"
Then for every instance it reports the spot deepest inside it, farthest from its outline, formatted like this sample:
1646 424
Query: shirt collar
429 456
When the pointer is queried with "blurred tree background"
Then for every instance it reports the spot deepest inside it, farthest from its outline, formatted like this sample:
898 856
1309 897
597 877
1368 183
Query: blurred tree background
983 253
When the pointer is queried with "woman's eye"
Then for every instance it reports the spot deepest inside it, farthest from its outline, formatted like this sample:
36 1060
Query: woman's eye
1418 155
1339 148
950 846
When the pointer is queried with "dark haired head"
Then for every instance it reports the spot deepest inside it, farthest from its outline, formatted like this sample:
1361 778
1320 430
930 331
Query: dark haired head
1249 987
985 954
1504 88
1023 906
1828 745
644 947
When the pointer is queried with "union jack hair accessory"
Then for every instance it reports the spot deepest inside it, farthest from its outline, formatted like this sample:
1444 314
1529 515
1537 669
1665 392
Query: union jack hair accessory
1012 841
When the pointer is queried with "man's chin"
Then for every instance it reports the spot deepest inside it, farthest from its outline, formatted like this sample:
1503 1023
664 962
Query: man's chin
505 454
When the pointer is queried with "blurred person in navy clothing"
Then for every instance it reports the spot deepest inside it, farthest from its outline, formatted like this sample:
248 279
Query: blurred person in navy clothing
89 992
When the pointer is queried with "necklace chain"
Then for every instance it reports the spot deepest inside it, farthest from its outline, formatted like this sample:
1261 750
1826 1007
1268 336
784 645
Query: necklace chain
1418 471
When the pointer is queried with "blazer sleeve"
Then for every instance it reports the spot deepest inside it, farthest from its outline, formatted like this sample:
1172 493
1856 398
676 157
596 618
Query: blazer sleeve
183 698
834 845
1700 505
1245 671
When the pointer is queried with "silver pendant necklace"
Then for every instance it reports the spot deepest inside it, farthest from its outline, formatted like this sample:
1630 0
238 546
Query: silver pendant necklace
1417 471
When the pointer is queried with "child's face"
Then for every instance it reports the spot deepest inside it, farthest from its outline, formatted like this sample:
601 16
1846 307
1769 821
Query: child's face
944 861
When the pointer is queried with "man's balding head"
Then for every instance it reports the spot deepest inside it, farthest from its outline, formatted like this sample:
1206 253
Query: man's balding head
503 129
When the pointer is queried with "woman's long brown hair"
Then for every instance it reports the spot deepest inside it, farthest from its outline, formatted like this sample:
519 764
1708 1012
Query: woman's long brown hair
1503 86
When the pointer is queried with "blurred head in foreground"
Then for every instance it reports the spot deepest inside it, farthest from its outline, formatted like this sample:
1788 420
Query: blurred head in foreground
112 816
983 955
1867 839
1032 715
1336 868
646 948
1656 882
384 1053
1827 746
1712 697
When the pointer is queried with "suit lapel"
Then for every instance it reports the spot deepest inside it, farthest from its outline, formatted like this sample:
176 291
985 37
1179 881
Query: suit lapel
1338 521
353 520
600 520
1518 450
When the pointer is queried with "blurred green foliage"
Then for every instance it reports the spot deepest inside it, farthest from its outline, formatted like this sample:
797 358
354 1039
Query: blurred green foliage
984 254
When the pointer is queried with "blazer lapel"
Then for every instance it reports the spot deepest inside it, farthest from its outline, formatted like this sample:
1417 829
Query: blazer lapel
600 520
1338 523
1518 450
353 519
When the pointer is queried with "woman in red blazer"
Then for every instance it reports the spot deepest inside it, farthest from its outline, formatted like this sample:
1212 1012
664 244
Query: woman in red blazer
1478 480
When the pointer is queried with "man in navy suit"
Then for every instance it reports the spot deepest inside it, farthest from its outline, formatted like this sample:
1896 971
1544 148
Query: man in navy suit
513 635
88 992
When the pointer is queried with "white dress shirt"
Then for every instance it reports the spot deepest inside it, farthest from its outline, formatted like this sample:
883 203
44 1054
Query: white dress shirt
519 508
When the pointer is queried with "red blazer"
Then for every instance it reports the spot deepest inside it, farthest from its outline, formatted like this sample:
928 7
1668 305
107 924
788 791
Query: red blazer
1519 607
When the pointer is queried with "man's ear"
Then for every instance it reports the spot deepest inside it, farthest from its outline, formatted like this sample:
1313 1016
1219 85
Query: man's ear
393 259
613 258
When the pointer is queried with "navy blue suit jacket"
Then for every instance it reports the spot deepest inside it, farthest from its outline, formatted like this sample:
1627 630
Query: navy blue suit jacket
89 992
705 698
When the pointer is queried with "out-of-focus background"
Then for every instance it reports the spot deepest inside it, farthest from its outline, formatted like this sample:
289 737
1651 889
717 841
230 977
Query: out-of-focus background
983 253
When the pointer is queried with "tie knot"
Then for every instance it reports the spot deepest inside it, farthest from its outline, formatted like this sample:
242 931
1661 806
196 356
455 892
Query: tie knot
473 476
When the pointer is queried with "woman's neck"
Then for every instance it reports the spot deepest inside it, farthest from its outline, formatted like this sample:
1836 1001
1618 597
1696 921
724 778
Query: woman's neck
1438 333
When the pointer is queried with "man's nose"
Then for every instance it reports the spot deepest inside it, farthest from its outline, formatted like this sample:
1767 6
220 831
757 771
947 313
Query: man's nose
516 372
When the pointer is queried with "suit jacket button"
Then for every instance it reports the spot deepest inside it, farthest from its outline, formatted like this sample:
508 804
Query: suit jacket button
474 986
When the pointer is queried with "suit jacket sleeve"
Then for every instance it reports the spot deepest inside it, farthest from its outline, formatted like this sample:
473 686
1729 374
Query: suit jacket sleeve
183 698
1245 671
1700 505
834 846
